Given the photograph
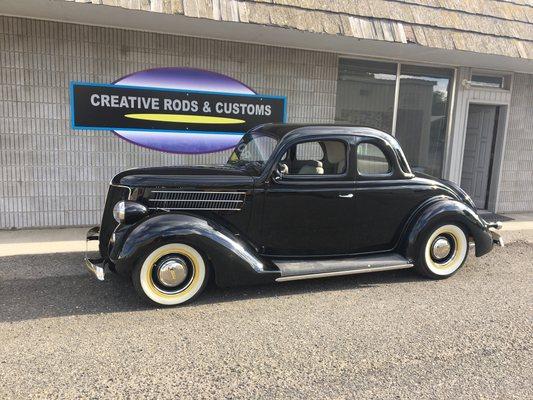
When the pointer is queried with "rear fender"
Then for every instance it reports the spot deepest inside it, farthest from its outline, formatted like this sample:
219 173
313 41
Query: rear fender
233 261
440 211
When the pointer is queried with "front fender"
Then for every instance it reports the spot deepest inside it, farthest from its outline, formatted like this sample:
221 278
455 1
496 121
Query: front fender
233 261
445 210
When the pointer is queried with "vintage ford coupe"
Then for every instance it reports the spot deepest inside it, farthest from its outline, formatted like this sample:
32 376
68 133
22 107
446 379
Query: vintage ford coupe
292 202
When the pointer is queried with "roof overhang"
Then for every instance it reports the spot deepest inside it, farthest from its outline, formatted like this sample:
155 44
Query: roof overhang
117 17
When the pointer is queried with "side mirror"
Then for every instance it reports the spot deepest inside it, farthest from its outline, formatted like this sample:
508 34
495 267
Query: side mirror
281 169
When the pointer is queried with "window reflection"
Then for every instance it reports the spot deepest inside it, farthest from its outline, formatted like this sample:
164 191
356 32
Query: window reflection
423 116
365 97
365 93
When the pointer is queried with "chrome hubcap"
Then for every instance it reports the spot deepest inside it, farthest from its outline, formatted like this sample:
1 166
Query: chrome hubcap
441 248
172 272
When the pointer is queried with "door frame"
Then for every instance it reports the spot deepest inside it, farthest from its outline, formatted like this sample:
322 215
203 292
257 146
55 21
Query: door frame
466 95
499 146
495 163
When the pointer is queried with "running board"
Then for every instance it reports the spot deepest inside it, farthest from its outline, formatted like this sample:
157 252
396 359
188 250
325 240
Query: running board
292 270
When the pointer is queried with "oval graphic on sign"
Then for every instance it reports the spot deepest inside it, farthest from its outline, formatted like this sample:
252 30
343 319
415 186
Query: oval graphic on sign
178 110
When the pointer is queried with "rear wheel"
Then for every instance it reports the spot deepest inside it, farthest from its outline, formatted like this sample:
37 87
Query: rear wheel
171 274
442 251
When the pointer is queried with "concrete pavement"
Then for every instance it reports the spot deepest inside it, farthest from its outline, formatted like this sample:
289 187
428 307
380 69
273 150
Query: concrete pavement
391 335
385 335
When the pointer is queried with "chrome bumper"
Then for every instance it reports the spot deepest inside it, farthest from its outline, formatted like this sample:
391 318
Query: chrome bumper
496 237
495 225
92 264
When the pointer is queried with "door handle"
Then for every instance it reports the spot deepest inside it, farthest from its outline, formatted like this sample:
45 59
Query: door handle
346 196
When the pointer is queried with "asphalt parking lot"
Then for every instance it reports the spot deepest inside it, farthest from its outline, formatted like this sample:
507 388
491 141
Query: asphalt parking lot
383 335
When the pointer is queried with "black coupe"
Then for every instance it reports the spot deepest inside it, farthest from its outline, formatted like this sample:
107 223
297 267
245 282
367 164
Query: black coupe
292 202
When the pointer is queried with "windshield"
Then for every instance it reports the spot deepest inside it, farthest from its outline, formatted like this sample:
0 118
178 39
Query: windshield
254 148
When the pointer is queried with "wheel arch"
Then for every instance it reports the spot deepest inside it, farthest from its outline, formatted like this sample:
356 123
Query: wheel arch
444 210
231 260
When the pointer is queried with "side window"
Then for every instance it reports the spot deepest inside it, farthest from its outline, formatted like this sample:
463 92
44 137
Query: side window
371 160
321 157
309 151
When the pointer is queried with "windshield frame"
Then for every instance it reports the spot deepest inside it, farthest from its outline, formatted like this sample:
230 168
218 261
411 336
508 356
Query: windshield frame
248 138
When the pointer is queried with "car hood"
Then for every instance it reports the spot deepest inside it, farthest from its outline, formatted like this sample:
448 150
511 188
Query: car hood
185 177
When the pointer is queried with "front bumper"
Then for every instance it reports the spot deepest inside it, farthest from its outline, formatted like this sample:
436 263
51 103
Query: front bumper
94 265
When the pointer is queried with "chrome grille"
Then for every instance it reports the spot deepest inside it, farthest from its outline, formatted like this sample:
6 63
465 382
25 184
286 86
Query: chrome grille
194 200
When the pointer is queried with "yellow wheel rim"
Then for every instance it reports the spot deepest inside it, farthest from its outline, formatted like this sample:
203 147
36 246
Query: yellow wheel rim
193 286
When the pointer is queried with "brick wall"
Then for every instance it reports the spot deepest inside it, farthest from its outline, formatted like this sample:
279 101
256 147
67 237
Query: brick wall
51 175
516 186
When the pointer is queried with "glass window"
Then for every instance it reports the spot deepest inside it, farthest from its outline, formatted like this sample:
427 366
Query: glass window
371 160
488 81
323 157
423 116
365 93
309 150
254 148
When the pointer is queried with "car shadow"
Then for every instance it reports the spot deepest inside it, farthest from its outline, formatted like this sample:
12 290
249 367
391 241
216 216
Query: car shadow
54 285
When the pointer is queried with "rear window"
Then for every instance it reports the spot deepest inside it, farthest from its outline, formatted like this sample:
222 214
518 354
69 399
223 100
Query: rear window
371 160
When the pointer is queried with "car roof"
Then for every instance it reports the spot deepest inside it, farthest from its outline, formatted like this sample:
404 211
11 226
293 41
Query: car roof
286 132
283 131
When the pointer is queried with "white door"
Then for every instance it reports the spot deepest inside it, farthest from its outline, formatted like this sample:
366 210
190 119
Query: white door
477 158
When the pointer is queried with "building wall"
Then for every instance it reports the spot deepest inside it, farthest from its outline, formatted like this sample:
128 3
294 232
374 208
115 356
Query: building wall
51 175
516 186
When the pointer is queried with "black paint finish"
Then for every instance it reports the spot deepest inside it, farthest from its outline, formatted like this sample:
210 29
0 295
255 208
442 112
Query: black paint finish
231 259
295 217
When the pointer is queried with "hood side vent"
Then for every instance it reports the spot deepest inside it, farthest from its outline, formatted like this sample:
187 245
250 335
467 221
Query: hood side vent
195 200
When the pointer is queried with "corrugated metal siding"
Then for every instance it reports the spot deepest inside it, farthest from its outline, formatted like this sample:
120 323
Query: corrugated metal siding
516 186
53 176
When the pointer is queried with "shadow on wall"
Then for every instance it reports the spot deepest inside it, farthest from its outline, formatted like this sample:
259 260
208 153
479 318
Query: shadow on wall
55 285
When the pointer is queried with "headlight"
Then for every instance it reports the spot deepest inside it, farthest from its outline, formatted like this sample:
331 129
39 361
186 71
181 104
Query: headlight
119 212
127 212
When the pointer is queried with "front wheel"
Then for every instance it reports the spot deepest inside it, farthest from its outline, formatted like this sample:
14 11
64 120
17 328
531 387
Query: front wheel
171 274
442 251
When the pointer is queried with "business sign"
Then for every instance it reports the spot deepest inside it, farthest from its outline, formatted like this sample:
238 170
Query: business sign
180 110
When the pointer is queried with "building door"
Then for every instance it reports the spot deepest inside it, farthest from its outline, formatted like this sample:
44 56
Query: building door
479 152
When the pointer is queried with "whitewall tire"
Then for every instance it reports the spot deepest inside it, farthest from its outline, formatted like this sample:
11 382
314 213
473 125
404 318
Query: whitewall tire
171 274
442 251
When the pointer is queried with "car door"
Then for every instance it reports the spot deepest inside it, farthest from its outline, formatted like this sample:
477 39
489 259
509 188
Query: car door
384 197
307 212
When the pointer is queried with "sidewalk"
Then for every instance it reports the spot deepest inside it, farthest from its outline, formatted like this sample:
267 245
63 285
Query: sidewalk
520 228
44 241
65 240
